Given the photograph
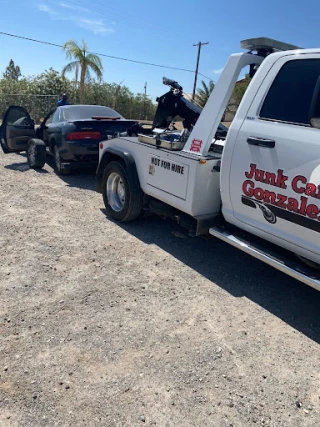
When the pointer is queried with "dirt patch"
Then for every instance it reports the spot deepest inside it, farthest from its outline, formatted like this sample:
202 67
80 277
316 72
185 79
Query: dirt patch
128 325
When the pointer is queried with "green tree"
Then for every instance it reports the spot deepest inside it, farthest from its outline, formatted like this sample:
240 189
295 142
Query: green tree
240 89
39 94
83 61
203 93
12 71
50 82
237 94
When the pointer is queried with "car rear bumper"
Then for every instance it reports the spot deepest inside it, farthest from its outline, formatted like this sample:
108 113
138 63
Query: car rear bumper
80 165
79 154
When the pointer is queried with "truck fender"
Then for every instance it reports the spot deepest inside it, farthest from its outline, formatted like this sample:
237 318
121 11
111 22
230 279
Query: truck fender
113 154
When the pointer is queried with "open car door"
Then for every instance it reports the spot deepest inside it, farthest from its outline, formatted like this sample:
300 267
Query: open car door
16 130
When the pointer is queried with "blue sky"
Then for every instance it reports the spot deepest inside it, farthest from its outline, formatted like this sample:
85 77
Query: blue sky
160 32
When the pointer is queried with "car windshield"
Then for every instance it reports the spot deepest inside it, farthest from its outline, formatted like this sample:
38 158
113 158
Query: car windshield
86 112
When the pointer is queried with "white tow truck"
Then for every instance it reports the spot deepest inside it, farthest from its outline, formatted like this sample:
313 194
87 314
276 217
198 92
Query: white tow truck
256 187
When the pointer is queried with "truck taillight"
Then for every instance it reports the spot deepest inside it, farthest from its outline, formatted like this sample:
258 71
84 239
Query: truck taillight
101 145
76 136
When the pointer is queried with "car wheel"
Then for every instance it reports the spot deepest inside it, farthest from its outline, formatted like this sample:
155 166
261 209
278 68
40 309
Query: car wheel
36 153
60 170
121 200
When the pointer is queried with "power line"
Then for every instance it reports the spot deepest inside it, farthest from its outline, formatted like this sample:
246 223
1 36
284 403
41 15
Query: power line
101 54
191 100
206 77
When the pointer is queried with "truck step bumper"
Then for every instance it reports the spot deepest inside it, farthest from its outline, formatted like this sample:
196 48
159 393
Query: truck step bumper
280 261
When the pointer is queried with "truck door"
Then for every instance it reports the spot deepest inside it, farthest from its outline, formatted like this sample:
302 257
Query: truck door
275 170
16 129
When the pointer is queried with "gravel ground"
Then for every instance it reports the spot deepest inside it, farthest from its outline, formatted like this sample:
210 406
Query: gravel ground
104 324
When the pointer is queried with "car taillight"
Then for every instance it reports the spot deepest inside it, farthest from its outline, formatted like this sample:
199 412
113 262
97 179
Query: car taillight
101 145
76 136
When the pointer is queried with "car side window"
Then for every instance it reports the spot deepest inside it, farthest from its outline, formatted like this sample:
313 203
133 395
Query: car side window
56 116
49 120
17 117
289 98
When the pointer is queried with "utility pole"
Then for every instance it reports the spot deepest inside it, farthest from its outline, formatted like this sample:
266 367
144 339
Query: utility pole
144 101
197 67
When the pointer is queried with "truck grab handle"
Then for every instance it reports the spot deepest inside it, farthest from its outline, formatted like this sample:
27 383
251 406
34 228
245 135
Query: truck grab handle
261 142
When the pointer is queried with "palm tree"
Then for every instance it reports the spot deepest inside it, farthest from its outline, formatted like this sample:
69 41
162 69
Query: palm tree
83 61
203 93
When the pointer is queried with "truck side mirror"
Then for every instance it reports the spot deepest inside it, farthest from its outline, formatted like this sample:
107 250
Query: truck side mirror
314 114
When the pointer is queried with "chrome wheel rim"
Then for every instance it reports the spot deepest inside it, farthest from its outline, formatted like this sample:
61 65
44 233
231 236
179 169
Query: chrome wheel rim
115 192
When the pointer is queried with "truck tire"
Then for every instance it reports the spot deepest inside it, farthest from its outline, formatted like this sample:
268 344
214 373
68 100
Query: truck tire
122 202
36 153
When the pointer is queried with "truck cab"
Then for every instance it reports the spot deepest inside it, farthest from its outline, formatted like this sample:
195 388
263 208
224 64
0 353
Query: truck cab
270 172
258 186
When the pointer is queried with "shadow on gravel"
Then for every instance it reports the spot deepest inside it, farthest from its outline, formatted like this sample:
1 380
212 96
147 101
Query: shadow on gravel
237 273
23 167
80 178
85 180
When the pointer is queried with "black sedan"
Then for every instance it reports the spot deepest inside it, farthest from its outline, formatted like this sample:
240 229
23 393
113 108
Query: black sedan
70 133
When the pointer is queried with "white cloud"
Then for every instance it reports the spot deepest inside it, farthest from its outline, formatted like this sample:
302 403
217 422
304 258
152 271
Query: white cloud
77 8
97 26
218 71
44 8
91 23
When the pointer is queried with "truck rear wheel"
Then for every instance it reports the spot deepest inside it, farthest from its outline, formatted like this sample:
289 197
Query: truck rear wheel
36 153
121 200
